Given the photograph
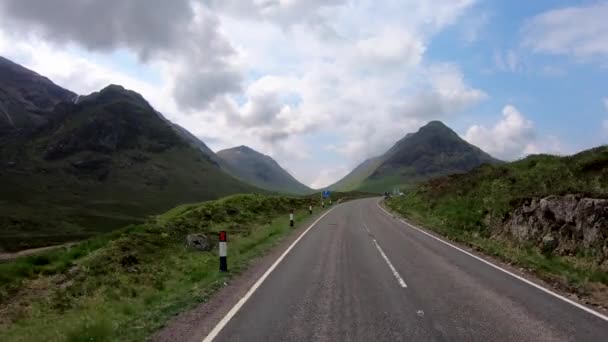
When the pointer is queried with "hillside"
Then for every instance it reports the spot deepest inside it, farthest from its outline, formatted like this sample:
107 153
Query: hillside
354 179
27 99
95 164
435 150
546 213
260 170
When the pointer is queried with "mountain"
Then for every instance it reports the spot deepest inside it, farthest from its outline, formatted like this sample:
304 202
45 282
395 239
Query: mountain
26 98
193 141
260 170
354 179
86 164
434 150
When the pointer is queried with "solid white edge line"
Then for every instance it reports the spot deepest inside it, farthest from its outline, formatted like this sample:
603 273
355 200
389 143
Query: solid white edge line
224 321
547 291
390 265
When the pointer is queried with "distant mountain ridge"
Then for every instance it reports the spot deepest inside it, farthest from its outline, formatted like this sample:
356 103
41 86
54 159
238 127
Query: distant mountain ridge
260 170
72 166
434 150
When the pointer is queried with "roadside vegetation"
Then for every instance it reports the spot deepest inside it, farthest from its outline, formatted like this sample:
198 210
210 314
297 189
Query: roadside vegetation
469 208
124 285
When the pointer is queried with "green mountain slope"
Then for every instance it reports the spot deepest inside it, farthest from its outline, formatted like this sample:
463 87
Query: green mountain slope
96 164
434 150
260 170
354 179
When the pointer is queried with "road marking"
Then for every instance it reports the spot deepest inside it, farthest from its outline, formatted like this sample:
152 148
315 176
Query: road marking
388 262
545 290
216 330
365 226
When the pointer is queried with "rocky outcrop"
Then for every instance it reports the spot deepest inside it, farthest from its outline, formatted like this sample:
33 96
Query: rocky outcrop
199 242
563 225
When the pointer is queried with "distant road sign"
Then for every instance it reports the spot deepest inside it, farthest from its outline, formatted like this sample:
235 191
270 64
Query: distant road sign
326 194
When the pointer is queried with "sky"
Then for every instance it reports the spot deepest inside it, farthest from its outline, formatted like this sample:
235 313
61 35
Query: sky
322 85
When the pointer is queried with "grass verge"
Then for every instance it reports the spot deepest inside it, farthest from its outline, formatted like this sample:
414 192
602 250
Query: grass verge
126 285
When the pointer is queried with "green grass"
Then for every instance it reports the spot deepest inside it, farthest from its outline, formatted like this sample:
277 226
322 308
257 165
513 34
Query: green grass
468 207
126 285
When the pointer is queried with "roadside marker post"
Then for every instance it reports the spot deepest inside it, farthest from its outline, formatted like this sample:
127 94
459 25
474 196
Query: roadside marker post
323 204
310 209
291 218
223 251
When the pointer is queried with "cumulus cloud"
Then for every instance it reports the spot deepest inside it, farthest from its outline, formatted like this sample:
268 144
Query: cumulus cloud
181 33
514 136
445 93
284 12
509 139
581 32
195 89
146 26
389 47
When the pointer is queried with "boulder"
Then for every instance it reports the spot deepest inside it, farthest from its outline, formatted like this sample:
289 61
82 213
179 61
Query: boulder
561 224
199 242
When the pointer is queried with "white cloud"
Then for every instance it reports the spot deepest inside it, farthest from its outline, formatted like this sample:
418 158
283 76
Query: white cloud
510 138
182 34
391 46
328 176
581 32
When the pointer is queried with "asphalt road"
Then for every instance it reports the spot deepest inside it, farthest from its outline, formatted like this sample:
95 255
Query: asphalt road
361 275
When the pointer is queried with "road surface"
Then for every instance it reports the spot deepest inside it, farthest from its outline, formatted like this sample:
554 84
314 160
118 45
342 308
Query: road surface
361 275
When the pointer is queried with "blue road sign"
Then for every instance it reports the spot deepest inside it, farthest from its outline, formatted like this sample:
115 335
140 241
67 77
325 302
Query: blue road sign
326 194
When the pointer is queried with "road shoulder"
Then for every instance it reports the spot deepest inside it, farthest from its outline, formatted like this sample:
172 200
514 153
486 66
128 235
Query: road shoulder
194 325
526 274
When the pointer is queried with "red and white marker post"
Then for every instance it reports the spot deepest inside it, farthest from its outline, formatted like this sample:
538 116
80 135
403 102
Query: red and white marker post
310 209
291 218
223 251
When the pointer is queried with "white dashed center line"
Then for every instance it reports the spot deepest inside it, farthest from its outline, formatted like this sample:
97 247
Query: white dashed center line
390 265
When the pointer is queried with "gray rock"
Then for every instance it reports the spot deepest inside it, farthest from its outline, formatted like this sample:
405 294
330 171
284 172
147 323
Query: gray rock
549 243
199 242
561 225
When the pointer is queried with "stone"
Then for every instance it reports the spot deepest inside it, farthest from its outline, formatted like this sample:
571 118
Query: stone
560 225
199 242
549 243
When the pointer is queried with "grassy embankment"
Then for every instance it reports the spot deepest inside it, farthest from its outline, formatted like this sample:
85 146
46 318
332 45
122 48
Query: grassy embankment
126 284
466 207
